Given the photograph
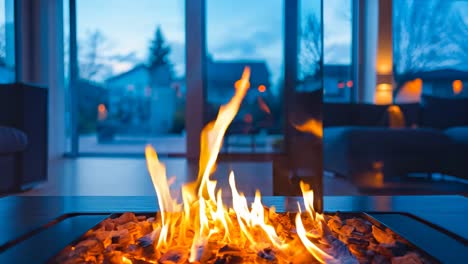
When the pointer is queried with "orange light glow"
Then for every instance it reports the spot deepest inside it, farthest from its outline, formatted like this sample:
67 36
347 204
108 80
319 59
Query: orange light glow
418 82
102 112
349 84
311 126
383 94
341 85
396 118
101 108
457 86
262 88
410 92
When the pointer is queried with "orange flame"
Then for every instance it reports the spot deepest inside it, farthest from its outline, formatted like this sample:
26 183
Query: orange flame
311 126
213 134
126 261
203 213
313 249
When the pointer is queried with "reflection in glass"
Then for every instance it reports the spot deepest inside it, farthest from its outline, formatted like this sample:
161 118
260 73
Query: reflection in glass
432 53
131 86
337 30
251 37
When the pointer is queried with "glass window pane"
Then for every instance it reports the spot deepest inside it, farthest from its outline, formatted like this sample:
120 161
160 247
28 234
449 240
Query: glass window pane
337 30
131 59
7 41
247 33
430 48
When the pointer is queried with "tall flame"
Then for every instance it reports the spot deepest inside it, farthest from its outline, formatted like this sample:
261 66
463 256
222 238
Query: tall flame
203 213
213 134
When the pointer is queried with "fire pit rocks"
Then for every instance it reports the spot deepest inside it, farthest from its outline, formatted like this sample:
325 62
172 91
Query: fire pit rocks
347 237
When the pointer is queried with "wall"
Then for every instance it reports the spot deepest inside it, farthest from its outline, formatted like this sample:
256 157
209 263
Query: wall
40 58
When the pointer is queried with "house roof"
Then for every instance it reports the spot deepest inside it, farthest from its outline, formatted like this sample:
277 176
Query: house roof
138 67
230 71
336 69
444 74
220 71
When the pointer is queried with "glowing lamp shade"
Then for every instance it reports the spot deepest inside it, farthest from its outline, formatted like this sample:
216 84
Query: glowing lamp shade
383 94
457 86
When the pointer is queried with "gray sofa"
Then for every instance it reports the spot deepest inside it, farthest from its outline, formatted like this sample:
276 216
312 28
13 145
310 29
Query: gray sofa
358 142
12 143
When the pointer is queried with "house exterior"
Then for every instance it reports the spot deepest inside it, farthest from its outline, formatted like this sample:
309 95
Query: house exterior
90 96
148 99
337 83
440 83
144 98
221 76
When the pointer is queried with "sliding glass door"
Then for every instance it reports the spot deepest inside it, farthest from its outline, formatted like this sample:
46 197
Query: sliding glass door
126 69
129 83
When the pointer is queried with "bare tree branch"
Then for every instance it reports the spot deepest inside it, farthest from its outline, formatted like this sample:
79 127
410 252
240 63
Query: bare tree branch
311 47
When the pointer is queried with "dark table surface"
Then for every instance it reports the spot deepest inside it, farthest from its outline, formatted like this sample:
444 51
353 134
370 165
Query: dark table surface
21 214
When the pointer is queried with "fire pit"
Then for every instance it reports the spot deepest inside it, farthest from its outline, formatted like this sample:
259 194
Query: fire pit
347 238
200 228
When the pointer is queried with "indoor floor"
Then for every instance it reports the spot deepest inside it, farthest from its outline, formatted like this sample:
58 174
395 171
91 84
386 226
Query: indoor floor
92 176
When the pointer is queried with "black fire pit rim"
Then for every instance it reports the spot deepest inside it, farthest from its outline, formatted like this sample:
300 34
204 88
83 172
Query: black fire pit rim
43 227
363 214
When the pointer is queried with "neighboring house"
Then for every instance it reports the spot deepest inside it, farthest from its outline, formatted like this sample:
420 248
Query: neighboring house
163 96
440 83
147 97
223 74
90 96
338 83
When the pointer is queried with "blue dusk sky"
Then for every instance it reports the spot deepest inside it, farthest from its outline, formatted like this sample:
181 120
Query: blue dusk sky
236 30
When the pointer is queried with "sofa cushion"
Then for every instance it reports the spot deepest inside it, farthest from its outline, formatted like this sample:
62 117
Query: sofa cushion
458 134
411 112
12 140
336 114
443 113
376 140
369 114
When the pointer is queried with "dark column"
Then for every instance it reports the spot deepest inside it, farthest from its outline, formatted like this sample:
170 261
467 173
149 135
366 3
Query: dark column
195 39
